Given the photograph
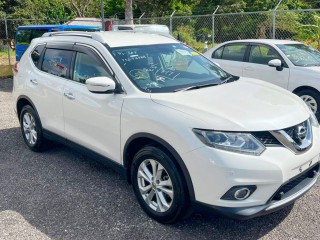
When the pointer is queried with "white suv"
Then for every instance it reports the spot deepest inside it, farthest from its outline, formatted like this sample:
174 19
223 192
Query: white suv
186 134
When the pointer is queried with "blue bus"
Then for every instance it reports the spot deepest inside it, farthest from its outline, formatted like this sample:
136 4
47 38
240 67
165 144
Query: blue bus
24 34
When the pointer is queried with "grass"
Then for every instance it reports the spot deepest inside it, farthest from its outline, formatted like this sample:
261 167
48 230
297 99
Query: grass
4 53
5 68
6 71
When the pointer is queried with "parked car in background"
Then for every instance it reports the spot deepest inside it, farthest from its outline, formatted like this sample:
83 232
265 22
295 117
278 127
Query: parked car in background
288 64
146 28
24 34
185 133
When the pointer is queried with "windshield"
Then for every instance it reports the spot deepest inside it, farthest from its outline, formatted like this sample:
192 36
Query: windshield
167 67
301 55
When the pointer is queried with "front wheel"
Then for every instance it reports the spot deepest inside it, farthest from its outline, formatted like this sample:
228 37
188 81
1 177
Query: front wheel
158 185
312 99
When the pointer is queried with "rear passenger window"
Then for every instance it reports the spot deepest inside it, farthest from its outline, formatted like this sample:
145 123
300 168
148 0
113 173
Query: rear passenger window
234 52
23 37
38 33
35 55
87 66
57 62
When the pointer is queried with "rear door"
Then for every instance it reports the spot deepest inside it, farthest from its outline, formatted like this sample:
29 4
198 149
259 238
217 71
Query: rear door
257 65
45 84
92 120
230 57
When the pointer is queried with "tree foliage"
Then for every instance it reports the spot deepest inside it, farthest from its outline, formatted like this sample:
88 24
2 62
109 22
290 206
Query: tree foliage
195 31
152 8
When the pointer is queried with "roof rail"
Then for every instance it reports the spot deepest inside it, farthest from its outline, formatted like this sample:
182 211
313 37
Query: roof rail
67 33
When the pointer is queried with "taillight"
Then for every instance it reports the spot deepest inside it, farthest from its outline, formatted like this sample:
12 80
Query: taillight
15 68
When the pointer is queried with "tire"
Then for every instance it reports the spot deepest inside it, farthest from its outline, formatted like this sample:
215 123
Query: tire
312 99
158 185
31 129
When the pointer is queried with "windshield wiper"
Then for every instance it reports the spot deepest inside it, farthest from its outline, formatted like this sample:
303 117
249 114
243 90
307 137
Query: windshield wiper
231 78
196 87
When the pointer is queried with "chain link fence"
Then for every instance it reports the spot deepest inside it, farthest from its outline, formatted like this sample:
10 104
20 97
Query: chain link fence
199 31
202 31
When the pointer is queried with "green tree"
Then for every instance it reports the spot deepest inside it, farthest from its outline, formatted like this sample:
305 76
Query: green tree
310 33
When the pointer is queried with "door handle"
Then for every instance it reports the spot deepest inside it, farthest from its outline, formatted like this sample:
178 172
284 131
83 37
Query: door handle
69 95
34 81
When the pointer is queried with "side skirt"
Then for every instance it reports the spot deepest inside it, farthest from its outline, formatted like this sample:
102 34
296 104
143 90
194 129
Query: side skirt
91 154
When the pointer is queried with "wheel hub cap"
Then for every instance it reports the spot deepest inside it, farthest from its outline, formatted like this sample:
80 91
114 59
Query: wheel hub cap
155 185
29 128
311 102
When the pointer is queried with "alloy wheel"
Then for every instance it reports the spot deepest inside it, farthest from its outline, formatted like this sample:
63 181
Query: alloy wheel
155 185
30 129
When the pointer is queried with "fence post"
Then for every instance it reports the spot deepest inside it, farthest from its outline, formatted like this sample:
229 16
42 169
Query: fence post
213 23
7 38
274 20
171 21
141 17
102 15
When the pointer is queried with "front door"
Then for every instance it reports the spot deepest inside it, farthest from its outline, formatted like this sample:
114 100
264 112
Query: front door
257 66
92 119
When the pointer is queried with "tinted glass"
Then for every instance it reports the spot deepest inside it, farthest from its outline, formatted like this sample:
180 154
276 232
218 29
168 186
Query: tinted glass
23 36
38 32
167 67
86 67
35 55
234 52
57 62
218 53
301 55
262 54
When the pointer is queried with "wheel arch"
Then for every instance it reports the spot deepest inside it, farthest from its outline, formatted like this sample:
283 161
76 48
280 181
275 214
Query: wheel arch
139 140
23 101
298 89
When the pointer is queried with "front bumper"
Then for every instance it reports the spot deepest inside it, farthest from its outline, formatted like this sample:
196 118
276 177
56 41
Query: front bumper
287 194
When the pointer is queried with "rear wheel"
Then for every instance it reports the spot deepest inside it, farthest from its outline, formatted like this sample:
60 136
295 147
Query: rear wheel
31 129
158 185
312 99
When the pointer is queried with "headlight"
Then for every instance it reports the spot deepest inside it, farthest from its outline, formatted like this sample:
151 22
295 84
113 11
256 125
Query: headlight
313 119
235 142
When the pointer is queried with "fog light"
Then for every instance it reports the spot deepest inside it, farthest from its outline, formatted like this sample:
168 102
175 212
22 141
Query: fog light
239 193
242 194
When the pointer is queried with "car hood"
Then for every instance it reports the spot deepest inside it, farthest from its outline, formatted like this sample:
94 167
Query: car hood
314 69
243 105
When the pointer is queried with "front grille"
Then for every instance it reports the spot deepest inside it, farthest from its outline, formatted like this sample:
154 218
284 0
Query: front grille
266 138
278 138
295 184
290 130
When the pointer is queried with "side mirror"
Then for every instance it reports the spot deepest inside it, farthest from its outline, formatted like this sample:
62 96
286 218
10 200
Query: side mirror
276 63
100 85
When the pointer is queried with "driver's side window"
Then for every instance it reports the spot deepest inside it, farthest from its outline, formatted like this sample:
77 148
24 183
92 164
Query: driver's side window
87 66
262 54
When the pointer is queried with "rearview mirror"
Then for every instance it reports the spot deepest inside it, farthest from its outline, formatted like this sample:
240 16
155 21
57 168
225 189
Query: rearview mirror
276 63
100 85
